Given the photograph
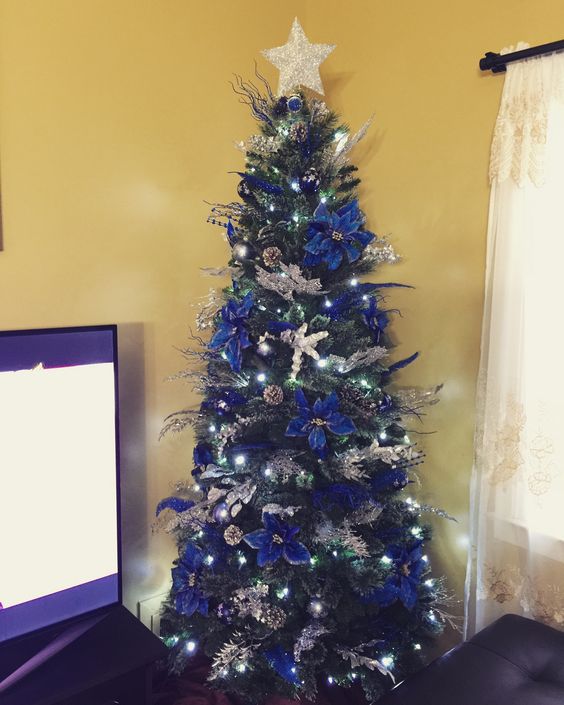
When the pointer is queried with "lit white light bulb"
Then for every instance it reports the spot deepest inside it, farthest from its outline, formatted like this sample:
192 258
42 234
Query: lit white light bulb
322 362
239 460
354 281
330 680
328 303
241 668
212 428
191 646
386 560
383 435
261 377
417 647
242 560
430 582
264 348
387 661
267 472
209 559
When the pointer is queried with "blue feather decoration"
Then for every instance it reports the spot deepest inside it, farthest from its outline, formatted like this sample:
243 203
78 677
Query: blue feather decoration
177 504
402 363
255 182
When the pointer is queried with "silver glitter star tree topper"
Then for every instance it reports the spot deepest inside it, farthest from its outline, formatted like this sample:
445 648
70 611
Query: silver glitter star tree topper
298 61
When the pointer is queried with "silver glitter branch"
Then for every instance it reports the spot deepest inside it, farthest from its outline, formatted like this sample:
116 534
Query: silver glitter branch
283 466
288 282
357 660
380 252
308 638
209 309
238 648
281 511
345 536
259 144
361 358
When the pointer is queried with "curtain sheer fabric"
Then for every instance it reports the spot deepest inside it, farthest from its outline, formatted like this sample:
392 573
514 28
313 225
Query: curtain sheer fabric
517 490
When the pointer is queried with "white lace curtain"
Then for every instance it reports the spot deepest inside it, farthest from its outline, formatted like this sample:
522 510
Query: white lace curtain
517 493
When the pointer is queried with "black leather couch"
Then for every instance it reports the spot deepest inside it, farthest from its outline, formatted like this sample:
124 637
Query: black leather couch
514 661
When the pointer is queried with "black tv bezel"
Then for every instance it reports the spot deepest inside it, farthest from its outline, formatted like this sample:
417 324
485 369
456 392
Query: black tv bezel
113 328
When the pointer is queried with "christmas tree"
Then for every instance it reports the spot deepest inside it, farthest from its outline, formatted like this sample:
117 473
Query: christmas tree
301 554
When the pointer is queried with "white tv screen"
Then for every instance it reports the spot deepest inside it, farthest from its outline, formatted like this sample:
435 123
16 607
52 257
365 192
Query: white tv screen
59 536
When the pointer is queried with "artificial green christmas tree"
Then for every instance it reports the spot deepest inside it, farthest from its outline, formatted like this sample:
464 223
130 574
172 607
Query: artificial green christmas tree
301 553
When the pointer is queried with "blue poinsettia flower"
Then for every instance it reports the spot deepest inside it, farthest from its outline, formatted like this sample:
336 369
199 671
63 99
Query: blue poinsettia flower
312 422
375 318
333 236
407 566
188 598
276 541
232 336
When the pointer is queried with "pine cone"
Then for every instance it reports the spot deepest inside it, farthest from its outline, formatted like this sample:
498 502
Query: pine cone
271 256
273 617
232 535
354 398
298 132
273 395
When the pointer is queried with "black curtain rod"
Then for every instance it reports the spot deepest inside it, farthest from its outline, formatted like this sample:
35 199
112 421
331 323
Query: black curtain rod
497 63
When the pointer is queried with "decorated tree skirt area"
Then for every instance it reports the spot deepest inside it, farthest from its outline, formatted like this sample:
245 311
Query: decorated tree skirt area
191 688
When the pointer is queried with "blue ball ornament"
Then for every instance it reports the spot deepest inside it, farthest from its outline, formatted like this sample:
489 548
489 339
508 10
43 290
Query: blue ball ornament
310 181
295 103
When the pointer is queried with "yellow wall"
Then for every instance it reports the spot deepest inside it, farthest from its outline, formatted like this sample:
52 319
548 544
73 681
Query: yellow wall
117 121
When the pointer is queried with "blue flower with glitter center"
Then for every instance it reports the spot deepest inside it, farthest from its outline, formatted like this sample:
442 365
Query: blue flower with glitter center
312 422
408 566
277 541
188 598
232 336
333 236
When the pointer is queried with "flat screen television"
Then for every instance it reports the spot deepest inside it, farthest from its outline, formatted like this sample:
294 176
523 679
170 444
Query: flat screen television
59 476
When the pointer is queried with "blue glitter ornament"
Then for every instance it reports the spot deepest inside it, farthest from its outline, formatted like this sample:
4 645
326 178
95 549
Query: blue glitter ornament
310 181
295 103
